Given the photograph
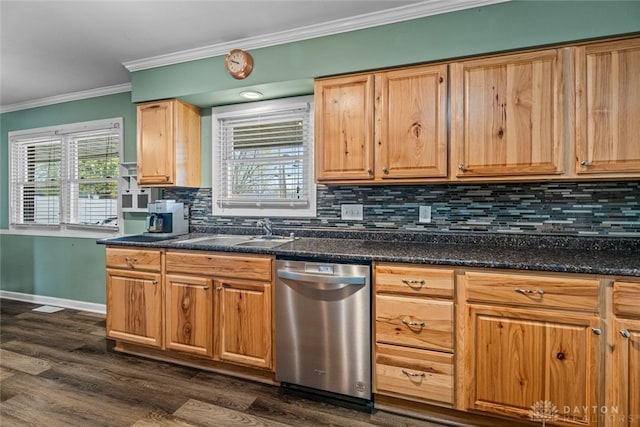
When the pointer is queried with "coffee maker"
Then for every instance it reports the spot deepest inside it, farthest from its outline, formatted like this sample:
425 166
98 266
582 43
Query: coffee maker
166 218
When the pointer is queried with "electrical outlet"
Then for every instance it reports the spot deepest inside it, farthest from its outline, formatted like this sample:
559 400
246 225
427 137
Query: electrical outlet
425 214
351 212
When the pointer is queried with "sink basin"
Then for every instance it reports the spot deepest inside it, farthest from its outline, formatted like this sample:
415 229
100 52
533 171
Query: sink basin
238 240
264 243
141 238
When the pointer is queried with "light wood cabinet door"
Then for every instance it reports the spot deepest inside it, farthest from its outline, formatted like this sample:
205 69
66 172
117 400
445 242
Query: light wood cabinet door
507 115
518 359
344 128
134 307
411 123
189 314
625 382
607 93
168 144
244 326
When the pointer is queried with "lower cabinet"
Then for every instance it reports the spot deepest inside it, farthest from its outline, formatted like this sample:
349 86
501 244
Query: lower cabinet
134 306
525 361
624 386
243 322
189 314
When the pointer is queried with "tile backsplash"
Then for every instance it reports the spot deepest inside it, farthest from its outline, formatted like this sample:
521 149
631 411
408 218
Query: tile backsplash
609 208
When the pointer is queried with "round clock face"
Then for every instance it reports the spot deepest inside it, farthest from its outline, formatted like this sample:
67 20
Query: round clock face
239 63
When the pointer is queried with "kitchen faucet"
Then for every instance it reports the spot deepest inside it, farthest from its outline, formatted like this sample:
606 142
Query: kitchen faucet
266 225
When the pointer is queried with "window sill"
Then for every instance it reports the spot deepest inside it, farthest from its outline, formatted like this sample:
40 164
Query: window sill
65 234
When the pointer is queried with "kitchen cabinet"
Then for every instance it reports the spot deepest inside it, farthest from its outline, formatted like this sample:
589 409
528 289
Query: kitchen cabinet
231 297
623 386
244 322
414 333
507 116
382 127
189 314
607 90
134 296
531 339
168 144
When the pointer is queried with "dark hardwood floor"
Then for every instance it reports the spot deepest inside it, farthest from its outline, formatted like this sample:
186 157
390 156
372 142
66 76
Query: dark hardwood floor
55 370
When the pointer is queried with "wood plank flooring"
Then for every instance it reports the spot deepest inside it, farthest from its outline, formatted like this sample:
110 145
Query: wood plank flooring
55 370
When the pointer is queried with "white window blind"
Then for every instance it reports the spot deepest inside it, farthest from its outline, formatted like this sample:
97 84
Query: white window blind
66 177
263 159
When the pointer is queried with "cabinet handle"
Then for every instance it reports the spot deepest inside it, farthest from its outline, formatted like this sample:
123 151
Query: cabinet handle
529 291
412 283
625 333
461 167
413 324
584 163
413 374
385 170
596 331
130 260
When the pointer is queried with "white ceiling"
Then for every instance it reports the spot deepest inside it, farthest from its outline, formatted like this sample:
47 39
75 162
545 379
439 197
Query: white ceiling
52 48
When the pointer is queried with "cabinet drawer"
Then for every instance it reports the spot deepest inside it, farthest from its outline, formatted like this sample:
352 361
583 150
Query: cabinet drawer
134 259
210 264
626 299
413 280
415 374
414 322
532 290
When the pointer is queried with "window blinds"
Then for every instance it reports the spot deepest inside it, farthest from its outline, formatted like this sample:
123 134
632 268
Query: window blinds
265 159
66 177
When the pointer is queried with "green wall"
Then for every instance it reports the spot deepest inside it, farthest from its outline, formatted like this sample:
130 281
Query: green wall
73 268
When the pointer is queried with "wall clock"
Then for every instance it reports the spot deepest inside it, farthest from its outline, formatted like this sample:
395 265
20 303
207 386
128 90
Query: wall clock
239 64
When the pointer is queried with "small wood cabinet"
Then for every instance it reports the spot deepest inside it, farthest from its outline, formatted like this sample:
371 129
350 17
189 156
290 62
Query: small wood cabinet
507 115
168 144
623 387
382 127
607 109
134 296
220 305
414 333
521 353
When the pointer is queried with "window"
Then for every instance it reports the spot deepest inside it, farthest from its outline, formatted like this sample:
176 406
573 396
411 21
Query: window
263 159
66 177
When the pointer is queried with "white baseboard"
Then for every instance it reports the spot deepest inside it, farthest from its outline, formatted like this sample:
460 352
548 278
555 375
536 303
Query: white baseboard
58 302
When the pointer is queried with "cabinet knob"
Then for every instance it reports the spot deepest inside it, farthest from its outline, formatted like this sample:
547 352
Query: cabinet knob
461 167
369 171
167 177
625 333
154 282
596 331
584 163
385 170
219 288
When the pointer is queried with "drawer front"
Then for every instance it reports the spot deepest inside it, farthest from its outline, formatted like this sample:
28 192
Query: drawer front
533 291
415 374
218 265
415 322
134 259
415 280
626 299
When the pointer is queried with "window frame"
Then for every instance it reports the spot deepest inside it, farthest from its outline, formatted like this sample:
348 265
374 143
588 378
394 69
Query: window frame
68 134
255 109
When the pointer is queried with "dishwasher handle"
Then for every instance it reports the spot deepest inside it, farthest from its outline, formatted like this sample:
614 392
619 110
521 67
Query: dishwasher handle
321 278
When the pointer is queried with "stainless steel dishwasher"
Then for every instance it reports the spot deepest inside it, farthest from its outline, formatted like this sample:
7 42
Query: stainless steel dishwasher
323 327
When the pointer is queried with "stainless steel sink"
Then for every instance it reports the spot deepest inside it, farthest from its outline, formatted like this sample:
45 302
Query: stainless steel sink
239 240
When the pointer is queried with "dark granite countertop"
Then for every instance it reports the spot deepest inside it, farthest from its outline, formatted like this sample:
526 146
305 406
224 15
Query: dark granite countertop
591 255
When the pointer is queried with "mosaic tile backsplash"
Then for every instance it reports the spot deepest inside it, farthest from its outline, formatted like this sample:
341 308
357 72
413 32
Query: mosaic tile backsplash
560 208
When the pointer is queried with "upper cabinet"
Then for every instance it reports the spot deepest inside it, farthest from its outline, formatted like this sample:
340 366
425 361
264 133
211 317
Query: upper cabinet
382 127
608 108
507 115
168 144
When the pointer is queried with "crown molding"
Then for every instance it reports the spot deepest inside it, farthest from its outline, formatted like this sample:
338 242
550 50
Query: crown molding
74 96
374 19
